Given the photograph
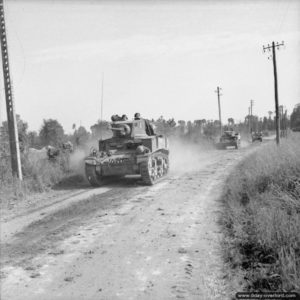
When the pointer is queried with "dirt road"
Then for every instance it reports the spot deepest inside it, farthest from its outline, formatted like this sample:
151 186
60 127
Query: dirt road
123 241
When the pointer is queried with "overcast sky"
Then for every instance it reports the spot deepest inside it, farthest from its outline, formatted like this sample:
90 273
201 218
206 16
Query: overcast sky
158 58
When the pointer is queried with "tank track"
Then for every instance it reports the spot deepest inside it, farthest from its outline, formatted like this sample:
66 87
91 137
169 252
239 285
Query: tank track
92 176
155 168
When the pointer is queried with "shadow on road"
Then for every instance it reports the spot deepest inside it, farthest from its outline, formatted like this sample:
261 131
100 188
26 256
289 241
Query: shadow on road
74 182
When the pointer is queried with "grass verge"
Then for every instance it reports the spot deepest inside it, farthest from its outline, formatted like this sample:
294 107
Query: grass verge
261 219
39 176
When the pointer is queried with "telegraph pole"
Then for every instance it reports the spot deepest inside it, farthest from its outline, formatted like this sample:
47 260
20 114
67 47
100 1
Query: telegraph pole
101 117
219 105
10 108
102 84
273 48
281 120
285 123
251 114
249 120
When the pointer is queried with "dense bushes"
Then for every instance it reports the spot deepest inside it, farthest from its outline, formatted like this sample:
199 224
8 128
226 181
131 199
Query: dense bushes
262 217
39 175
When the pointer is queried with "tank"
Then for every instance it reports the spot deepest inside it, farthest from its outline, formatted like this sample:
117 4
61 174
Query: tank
256 136
229 139
134 149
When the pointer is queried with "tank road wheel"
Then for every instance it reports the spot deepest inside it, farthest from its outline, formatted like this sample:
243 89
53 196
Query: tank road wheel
92 176
165 165
160 167
149 171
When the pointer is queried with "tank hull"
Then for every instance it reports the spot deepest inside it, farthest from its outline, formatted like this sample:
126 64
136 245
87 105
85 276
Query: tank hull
229 139
224 145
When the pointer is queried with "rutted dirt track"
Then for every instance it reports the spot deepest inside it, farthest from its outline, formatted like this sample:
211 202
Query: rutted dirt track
127 241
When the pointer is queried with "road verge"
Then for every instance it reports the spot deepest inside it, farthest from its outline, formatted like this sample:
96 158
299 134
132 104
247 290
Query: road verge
261 219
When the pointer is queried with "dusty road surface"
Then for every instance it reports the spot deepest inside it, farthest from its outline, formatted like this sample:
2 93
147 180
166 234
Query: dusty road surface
124 240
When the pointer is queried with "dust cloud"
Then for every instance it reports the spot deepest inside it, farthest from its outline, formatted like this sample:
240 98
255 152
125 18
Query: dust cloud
186 156
244 143
76 162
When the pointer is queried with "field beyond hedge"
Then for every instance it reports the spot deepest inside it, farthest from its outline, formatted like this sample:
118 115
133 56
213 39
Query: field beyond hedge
261 218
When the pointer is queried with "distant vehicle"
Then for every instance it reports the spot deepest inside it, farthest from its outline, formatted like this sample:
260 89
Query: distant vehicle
229 139
256 136
265 133
133 149
295 129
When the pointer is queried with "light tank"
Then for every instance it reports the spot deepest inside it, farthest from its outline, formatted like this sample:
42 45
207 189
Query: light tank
229 139
134 149
256 136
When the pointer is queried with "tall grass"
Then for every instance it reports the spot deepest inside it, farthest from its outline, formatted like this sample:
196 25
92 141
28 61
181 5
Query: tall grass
262 218
39 176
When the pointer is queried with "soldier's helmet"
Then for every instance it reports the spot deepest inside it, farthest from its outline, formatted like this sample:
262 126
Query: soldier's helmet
137 116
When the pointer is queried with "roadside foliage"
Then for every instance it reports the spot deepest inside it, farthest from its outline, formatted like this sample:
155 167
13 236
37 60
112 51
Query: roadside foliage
261 218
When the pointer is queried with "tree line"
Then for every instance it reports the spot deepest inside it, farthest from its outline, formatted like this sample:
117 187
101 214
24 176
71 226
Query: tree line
52 132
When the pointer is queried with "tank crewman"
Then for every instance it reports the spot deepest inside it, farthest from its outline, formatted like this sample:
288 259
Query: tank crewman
137 116
148 126
116 118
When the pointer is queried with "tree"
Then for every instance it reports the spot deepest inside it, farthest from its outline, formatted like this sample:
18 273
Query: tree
230 121
295 117
270 114
212 128
166 127
81 136
171 123
101 130
22 132
33 139
189 127
265 123
51 133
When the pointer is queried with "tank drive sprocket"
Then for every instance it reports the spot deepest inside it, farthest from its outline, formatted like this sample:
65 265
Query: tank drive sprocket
92 176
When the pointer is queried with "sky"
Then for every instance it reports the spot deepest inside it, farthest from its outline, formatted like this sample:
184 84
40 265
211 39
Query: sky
154 57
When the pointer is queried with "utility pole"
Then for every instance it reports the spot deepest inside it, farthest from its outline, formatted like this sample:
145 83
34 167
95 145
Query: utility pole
273 47
101 117
285 123
219 105
10 108
251 114
281 120
252 123
249 120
